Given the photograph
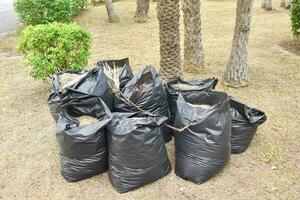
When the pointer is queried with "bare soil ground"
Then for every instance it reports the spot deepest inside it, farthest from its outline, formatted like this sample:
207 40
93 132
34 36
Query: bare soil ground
268 170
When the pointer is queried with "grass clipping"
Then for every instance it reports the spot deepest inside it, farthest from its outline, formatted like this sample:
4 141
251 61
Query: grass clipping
86 120
68 79
184 86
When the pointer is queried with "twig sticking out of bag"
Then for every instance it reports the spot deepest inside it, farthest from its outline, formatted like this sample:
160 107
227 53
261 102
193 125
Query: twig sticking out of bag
112 74
113 81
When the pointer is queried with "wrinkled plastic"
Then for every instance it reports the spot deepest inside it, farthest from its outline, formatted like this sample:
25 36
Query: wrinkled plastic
122 64
203 149
83 149
137 152
173 91
245 121
146 91
82 95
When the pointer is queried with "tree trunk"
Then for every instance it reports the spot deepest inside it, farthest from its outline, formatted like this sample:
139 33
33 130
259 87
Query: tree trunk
236 74
147 7
263 3
288 4
193 47
282 3
142 8
112 15
168 14
268 4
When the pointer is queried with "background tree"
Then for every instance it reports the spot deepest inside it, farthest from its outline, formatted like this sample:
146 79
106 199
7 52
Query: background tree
193 47
168 14
112 15
237 71
268 4
288 4
263 3
141 13
282 3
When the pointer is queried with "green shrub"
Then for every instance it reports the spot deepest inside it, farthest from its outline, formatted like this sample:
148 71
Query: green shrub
32 12
54 47
78 5
295 17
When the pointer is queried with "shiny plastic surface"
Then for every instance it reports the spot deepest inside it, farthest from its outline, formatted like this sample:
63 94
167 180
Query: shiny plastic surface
137 152
203 149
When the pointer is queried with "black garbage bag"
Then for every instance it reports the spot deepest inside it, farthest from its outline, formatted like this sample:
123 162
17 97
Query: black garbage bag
83 148
177 85
123 68
77 91
245 121
203 148
146 91
137 152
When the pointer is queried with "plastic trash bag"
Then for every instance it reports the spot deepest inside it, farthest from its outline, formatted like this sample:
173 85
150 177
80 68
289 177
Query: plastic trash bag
123 68
137 152
203 148
146 91
177 85
245 121
81 94
83 149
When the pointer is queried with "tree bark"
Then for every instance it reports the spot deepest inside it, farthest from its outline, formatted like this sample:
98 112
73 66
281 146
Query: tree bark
168 14
147 7
282 3
288 4
193 47
268 4
237 74
112 15
141 13
263 3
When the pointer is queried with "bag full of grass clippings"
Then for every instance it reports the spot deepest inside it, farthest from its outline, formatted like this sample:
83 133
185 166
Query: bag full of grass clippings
78 91
202 149
122 68
137 152
245 121
82 144
176 86
146 91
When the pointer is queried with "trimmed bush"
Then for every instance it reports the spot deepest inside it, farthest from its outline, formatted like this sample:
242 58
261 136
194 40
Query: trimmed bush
32 12
295 17
54 47
78 5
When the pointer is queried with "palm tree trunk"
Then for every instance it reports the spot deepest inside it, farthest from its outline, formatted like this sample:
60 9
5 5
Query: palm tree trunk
193 47
142 8
168 14
112 15
236 74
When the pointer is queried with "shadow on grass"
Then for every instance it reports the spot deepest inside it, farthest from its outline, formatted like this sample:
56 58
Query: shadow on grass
293 46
